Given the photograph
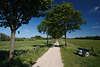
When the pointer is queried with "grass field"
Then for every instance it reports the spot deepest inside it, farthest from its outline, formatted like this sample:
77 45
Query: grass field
72 60
26 52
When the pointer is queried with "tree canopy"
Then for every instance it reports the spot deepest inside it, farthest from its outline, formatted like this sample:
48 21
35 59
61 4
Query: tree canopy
62 19
66 15
15 13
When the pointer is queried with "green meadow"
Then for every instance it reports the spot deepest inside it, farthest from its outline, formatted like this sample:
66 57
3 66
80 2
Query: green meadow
72 60
26 52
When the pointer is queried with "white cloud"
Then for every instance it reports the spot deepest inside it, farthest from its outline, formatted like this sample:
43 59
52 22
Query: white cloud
96 8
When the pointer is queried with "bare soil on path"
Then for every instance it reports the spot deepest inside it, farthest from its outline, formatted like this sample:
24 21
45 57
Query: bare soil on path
52 58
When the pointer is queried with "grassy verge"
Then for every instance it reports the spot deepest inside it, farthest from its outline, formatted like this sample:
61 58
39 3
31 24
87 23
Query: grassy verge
26 52
72 60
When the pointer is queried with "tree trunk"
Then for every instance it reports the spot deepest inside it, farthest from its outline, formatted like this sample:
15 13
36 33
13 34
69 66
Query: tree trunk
65 40
47 39
11 54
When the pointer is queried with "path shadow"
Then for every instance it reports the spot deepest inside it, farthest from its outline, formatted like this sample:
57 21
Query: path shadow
17 62
33 63
49 45
3 54
58 45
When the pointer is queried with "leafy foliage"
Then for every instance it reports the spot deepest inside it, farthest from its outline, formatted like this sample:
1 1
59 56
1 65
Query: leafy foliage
66 15
61 19
13 13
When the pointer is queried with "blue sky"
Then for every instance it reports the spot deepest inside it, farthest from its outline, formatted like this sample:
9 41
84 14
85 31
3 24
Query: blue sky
90 12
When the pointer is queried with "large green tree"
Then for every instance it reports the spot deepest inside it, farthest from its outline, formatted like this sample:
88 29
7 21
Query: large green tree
71 18
15 13
64 18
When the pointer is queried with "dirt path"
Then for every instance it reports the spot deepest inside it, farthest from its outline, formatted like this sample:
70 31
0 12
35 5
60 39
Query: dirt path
52 58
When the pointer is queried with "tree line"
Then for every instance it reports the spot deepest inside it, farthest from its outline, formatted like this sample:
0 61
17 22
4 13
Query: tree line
4 37
89 37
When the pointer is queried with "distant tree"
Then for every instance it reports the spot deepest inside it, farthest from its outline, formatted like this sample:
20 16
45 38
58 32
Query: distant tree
50 28
43 28
89 37
15 13
55 30
38 37
19 39
4 37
